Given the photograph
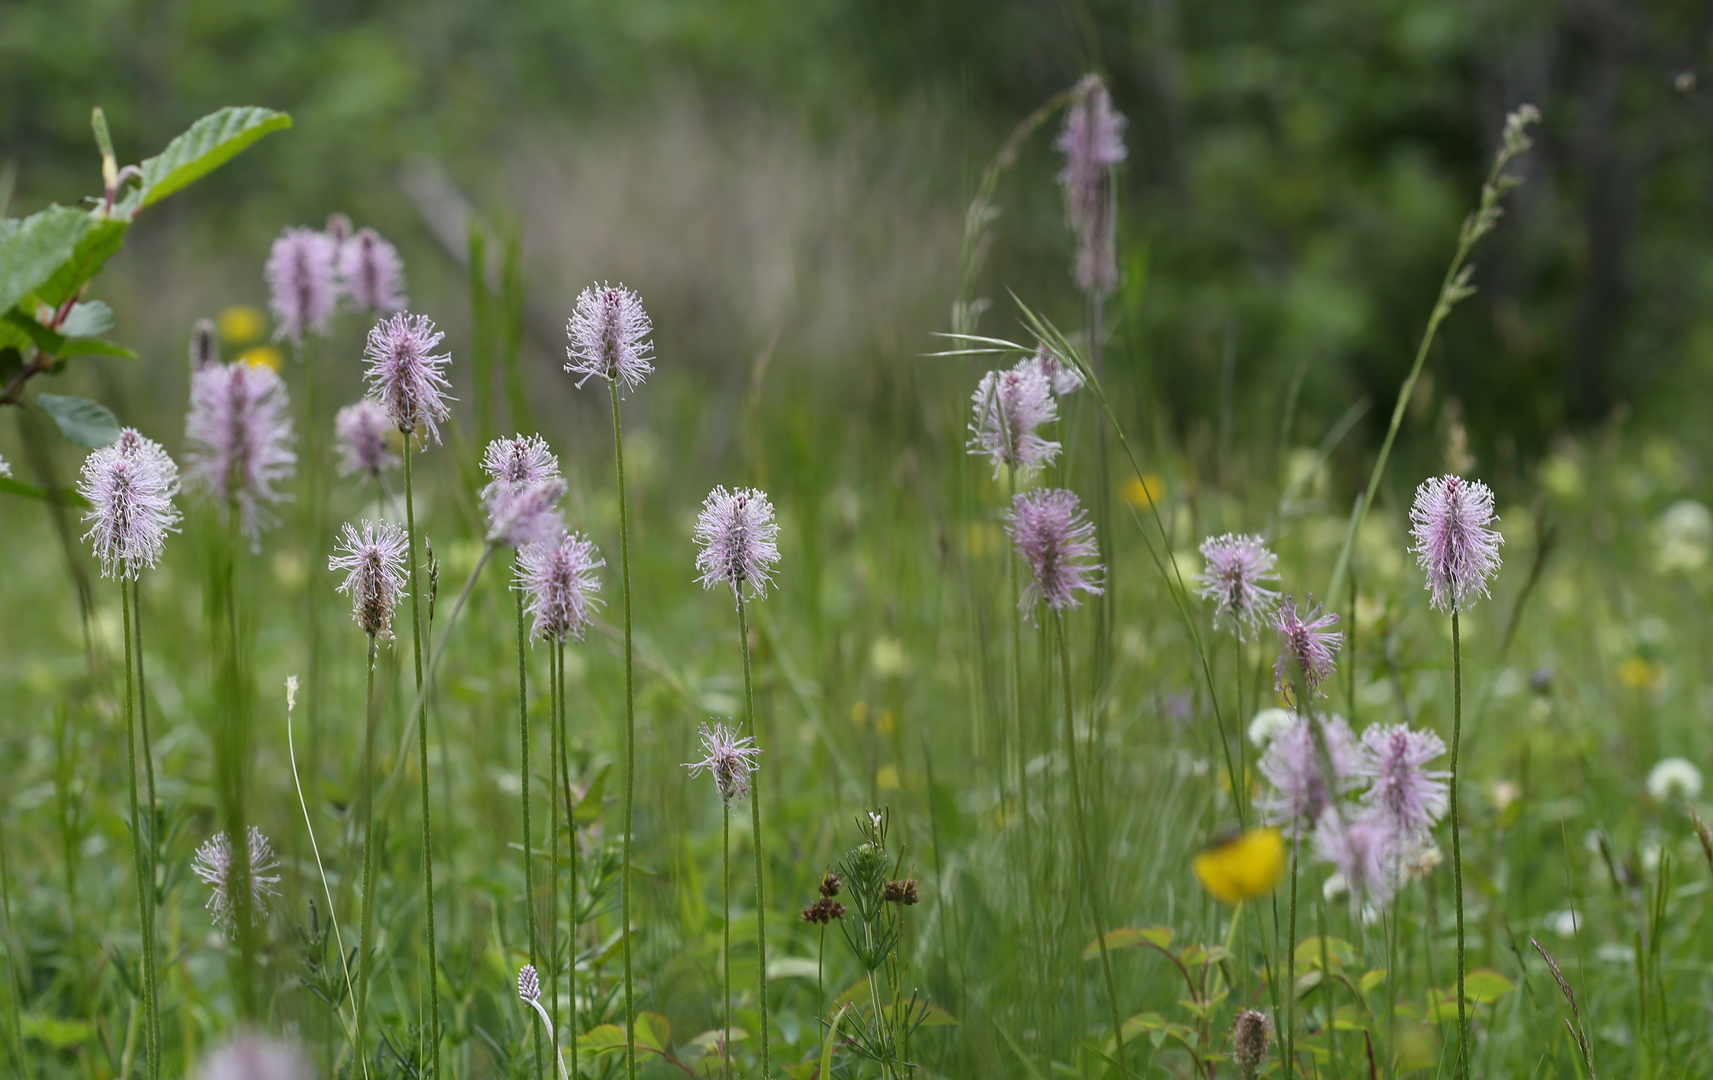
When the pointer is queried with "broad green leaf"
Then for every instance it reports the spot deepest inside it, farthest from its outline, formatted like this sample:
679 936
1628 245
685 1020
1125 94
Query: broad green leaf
709 1041
792 967
1338 952
1372 979
31 250
1486 985
95 347
934 1016
1128 937
1148 1021
1350 1018
209 144
103 237
89 319
602 1039
32 332
653 1032
56 1032
84 422
1441 1008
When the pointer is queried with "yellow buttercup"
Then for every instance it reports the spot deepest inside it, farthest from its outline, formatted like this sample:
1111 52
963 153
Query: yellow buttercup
1244 867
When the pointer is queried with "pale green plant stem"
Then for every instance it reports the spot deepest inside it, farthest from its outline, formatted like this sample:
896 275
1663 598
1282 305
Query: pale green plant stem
422 756
152 817
555 702
326 890
528 840
152 1048
571 829
755 823
1457 843
726 936
366 917
552 1037
1289 1036
630 754
1090 886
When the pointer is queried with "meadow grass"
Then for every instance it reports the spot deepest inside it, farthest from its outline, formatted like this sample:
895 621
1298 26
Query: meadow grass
1014 765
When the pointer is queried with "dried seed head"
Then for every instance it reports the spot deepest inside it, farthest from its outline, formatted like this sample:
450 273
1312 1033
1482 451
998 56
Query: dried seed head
823 911
830 885
1250 1036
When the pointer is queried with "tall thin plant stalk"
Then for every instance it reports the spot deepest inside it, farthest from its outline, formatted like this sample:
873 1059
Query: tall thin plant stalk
145 886
152 817
755 824
528 841
1457 842
1090 886
366 918
571 829
630 763
422 746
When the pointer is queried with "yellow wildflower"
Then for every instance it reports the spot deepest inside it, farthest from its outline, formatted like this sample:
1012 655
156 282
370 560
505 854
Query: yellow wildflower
1244 867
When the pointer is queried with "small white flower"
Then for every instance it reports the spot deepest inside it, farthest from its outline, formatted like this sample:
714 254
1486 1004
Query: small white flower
1674 778
1266 724
1335 886
1565 923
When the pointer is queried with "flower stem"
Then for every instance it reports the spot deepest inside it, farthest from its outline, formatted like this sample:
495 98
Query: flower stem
1462 1071
755 820
630 743
1089 884
144 887
422 750
571 829
366 932
554 704
726 927
153 818
1289 1035
528 843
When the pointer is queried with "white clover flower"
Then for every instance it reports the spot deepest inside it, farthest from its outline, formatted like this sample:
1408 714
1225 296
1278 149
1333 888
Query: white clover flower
1674 778
1266 724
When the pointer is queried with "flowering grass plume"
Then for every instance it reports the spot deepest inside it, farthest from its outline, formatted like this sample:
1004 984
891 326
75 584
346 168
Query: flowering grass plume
1455 543
1236 566
251 1055
360 433
406 375
1061 377
739 540
1054 535
213 864
130 486
558 578
731 759
1302 782
372 273
302 282
238 441
373 559
1092 141
1307 646
1404 795
1009 406
523 490
1362 849
609 332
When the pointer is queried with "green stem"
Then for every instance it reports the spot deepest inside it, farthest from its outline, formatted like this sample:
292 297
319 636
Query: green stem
366 932
151 1048
1457 843
630 748
528 842
726 927
755 824
1289 1036
422 753
571 829
554 700
153 816
1089 884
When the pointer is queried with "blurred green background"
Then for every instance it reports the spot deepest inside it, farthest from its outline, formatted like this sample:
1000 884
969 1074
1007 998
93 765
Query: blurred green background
793 173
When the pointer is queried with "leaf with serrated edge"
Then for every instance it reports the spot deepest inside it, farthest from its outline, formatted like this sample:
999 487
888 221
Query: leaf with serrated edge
32 249
209 143
84 422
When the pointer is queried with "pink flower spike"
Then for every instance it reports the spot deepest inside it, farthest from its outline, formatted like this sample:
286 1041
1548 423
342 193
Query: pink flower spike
609 332
405 374
738 539
130 486
1307 647
558 578
238 442
360 435
1093 144
1008 408
1456 546
1236 565
731 759
1053 534
373 559
372 273
301 283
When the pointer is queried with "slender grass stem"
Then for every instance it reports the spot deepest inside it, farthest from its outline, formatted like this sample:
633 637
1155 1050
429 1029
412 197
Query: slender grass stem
152 817
528 840
755 821
726 934
1289 1036
630 752
422 750
1457 843
571 830
1089 884
366 919
145 887
555 702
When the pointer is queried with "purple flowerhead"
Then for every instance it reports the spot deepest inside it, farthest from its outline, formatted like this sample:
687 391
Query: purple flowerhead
1093 144
251 1055
1455 543
739 541
558 578
360 434
238 441
372 273
1307 647
1053 534
373 559
1403 793
213 864
1063 378
609 337
731 759
1009 406
1307 765
528 984
130 486
405 375
302 284
1361 849
1236 566
523 491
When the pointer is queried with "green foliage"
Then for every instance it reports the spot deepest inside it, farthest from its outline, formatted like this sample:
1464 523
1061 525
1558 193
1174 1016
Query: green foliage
209 144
